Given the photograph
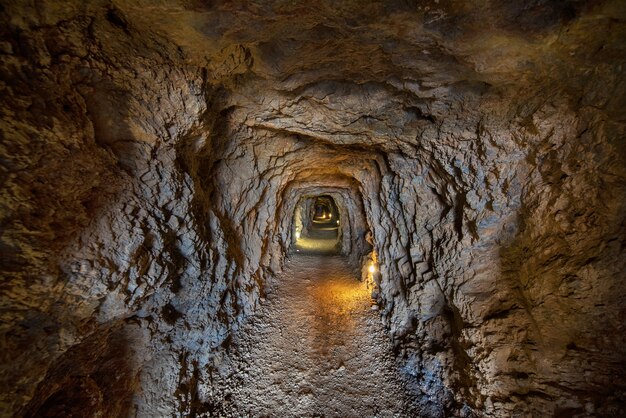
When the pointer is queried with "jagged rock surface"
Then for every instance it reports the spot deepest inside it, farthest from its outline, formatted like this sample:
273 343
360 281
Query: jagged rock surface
153 154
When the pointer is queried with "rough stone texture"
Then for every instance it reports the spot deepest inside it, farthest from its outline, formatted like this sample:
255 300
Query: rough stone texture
315 348
153 154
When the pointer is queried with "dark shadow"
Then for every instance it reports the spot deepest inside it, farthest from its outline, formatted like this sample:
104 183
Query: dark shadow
97 377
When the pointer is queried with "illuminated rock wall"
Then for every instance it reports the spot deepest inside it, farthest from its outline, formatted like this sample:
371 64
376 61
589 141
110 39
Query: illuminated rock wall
153 156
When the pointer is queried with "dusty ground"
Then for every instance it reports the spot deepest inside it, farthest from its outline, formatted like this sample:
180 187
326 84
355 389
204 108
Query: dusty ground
316 348
322 239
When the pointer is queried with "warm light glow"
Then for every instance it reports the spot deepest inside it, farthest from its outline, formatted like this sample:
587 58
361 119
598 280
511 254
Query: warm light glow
297 234
337 222
330 216
337 296
372 268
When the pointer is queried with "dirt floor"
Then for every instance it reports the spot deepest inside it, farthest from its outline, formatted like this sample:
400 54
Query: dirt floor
317 348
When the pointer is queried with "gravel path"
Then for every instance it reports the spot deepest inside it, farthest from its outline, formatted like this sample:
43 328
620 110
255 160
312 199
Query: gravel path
316 348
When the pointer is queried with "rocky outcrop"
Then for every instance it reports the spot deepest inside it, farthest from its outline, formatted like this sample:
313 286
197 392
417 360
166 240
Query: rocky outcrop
153 155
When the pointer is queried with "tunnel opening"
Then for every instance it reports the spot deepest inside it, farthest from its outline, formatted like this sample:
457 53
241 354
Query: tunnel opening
317 226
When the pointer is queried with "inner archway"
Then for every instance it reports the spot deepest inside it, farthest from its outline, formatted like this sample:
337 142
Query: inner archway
317 226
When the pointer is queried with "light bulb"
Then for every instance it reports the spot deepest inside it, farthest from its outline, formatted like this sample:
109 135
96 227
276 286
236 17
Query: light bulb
372 269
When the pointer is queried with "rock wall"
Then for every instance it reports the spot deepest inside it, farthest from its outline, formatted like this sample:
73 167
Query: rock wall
153 156
500 281
111 233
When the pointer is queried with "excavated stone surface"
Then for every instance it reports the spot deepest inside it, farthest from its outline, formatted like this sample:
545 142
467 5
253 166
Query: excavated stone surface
153 154
315 348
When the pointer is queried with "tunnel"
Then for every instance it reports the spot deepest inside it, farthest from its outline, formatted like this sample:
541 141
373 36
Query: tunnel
268 208
318 228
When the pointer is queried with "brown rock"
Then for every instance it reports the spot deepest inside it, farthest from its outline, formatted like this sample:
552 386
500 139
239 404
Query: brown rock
154 154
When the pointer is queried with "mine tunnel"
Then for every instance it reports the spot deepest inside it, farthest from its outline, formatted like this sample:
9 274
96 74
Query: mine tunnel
317 227
396 208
